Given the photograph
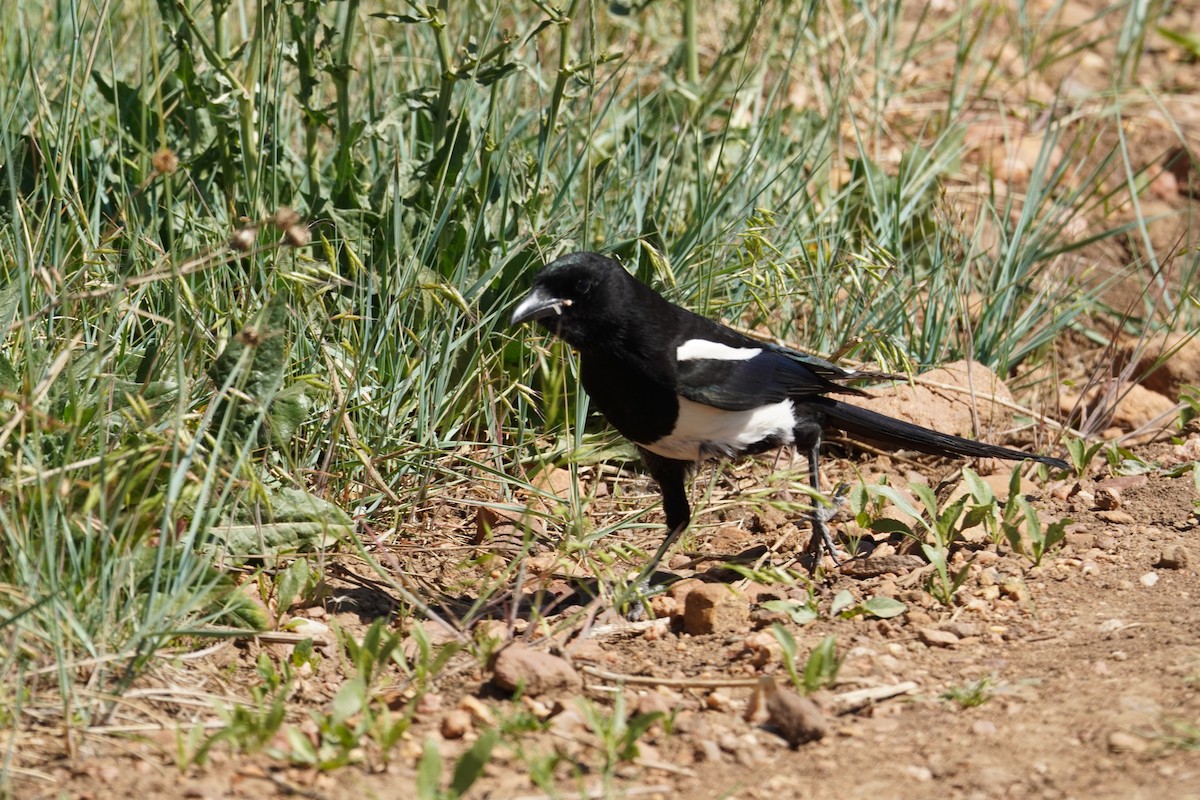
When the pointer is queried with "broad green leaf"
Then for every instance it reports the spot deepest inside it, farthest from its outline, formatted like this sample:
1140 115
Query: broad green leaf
884 607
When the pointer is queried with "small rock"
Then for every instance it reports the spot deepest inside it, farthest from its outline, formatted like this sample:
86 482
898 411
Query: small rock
1149 579
1117 517
935 637
535 707
568 724
1174 557
456 724
984 727
1081 541
680 590
535 672
663 606
429 704
728 742
1122 742
797 719
762 647
718 701
962 630
654 702
707 750
1107 498
1015 590
919 773
715 608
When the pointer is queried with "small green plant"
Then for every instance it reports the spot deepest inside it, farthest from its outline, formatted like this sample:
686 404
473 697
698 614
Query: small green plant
972 694
357 715
1041 540
1123 461
1081 452
821 667
467 769
618 733
941 525
297 581
428 661
944 583
248 727
1196 486
845 606
1183 735
798 611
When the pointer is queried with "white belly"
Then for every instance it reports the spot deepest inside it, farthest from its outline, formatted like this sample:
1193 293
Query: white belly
703 431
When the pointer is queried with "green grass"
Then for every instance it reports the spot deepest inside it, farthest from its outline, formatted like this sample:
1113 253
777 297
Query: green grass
440 153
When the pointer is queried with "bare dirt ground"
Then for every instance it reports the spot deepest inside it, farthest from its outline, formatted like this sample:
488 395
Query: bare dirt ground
1086 668
1076 678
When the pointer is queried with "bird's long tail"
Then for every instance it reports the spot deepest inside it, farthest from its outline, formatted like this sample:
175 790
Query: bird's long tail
875 427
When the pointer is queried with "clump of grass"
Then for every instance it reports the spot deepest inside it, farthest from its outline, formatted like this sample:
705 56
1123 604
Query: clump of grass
436 157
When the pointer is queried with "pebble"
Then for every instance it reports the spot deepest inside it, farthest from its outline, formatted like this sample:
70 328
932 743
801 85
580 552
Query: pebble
456 724
919 773
707 750
533 671
568 724
1015 590
718 701
1108 498
962 630
1149 579
1122 742
935 637
714 608
664 606
983 727
1080 540
1174 557
655 702
797 719
1117 517
534 706
429 704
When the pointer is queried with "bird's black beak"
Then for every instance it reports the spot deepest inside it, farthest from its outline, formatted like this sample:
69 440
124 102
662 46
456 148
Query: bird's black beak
538 304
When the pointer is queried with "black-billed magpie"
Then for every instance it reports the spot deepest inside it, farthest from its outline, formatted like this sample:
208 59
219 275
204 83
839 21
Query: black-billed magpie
684 388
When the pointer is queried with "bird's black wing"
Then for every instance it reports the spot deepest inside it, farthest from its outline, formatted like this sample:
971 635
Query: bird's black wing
773 375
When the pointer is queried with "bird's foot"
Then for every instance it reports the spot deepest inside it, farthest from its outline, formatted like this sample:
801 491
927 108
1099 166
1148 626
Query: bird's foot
837 501
633 602
821 515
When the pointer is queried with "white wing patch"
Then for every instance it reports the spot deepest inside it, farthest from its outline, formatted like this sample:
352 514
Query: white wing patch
702 431
699 349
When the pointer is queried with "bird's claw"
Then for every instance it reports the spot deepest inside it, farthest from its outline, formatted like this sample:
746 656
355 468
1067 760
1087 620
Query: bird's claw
634 601
821 515
837 501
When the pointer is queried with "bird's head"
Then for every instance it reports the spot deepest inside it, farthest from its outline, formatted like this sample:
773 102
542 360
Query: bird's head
577 297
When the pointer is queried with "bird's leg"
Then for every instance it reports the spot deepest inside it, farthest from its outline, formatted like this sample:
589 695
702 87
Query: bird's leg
671 476
641 590
821 514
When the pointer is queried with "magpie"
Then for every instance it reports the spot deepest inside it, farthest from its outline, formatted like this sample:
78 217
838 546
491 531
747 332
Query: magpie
684 388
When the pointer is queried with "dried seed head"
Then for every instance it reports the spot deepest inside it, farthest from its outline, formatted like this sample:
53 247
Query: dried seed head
243 239
297 235
165 162
284 218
